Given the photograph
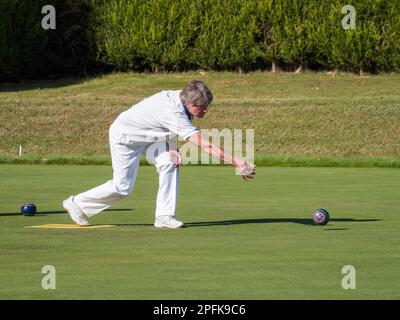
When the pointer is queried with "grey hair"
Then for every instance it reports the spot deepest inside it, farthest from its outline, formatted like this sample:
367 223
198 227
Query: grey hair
196 92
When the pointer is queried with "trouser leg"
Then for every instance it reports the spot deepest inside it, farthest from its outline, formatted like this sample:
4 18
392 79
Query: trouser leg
125 163
167 195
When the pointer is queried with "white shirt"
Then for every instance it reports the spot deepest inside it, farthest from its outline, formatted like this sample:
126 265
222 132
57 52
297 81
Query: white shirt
154 118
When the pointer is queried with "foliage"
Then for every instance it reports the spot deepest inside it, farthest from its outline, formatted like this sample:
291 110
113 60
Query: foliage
27 51
182 35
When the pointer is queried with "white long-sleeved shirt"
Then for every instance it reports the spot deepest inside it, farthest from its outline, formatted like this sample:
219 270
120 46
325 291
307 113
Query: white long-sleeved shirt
154 118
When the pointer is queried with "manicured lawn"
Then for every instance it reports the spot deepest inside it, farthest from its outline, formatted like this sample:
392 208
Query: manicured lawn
243 240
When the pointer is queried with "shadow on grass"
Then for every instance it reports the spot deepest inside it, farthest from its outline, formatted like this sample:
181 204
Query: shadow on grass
39 84
45 213
272 220
308 222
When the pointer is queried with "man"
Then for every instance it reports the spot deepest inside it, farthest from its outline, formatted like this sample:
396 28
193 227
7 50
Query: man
149 127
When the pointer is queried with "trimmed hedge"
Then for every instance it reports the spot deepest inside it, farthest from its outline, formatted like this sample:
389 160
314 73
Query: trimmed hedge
27 51
226 35
205 34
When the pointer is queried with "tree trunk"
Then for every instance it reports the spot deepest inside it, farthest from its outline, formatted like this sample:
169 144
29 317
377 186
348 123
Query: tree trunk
299 69
273 69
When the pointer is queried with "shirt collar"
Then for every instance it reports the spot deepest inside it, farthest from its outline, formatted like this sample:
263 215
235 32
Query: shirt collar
190 116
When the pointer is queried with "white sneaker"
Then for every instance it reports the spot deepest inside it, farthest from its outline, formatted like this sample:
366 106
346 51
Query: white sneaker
75 212
167 222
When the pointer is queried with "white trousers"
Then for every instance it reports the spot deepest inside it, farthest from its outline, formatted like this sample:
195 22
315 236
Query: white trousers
125 159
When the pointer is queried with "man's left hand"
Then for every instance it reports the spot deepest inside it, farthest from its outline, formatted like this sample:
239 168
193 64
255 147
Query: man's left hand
176 157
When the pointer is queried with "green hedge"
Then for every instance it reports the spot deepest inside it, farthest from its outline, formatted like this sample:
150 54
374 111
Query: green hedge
221 34
203 34
27 51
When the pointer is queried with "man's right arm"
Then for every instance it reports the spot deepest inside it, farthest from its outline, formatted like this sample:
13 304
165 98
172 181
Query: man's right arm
246 169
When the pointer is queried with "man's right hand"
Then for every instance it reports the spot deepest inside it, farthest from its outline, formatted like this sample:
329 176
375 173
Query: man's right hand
245 169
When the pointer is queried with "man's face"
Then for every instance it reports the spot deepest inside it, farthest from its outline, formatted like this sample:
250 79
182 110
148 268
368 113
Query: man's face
197 111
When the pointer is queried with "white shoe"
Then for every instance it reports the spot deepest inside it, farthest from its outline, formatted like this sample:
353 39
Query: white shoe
75 212
167 222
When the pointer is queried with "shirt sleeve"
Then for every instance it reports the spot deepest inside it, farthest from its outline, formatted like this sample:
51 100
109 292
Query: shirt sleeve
178 123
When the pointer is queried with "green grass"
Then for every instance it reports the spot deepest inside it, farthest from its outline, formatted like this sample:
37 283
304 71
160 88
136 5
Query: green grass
307 116
244 240
261 161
